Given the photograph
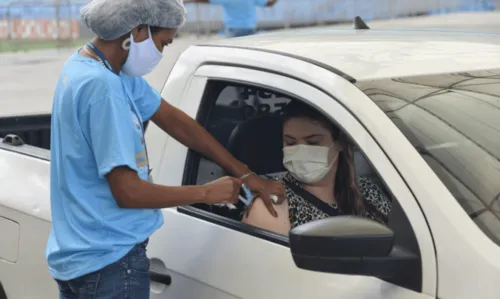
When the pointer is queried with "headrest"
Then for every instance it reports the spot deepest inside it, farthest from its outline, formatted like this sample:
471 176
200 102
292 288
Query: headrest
258 143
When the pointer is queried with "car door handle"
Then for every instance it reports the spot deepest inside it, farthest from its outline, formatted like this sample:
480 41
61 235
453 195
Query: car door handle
160 277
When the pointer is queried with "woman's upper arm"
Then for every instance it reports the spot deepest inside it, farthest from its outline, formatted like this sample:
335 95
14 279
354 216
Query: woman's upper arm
260 217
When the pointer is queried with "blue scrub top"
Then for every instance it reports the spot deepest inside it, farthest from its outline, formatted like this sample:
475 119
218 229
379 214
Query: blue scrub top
240 14
96 126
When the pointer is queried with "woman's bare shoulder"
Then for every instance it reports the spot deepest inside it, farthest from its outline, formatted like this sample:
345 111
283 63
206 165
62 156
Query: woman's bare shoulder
260 217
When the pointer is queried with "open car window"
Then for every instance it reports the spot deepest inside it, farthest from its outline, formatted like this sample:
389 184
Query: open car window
227 112
247 121
34 130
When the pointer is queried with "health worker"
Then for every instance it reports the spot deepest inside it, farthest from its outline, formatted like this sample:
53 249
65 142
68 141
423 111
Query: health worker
104 207
240 16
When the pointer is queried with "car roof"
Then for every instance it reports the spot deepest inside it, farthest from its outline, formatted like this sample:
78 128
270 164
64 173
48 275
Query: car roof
379 53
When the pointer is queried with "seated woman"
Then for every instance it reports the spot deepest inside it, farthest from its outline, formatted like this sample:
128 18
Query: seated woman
321 180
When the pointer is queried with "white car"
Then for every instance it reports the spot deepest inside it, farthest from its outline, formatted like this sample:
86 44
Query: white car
423 108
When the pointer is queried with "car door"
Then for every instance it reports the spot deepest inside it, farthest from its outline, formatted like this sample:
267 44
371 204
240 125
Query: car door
24 222
212 256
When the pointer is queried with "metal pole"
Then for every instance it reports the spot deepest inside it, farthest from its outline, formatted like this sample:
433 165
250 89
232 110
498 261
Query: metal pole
58 22
69 7
198 26
9 22
287 13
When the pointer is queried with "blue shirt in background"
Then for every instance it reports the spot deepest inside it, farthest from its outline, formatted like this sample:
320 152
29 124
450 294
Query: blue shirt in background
96 126
240 14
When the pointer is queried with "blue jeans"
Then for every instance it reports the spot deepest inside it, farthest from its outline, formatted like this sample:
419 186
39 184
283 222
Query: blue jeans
127 278
237 32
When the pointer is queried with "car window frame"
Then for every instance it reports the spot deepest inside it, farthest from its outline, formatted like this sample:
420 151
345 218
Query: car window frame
191 170
189 99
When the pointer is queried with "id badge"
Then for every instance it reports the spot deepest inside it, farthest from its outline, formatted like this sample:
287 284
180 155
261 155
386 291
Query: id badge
150 177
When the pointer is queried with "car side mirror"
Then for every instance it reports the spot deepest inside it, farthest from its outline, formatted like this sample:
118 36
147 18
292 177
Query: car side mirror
349 245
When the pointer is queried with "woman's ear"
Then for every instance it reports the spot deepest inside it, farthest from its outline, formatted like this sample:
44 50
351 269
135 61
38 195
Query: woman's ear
342 142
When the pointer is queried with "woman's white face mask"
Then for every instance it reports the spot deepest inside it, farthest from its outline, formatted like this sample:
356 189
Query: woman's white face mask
142 58
307 163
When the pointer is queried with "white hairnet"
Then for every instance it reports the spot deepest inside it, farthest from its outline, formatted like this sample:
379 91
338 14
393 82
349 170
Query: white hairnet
111 19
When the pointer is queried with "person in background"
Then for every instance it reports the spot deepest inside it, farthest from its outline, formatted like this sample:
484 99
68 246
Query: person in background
104 205
321 181
240 16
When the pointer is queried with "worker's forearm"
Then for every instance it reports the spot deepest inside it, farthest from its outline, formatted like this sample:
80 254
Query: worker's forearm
145 195
190 133
197 138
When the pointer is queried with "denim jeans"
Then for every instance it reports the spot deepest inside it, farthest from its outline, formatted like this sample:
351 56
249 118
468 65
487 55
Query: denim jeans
128 278
237 32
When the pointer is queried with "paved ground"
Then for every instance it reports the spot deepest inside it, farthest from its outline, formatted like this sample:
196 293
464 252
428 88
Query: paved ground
27 80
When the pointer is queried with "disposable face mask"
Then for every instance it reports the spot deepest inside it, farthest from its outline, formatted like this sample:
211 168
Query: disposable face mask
307 163
142 57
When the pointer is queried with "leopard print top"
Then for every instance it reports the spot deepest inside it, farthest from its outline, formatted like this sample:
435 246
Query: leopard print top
302 211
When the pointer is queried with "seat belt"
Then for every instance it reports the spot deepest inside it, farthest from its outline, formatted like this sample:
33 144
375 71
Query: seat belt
312 199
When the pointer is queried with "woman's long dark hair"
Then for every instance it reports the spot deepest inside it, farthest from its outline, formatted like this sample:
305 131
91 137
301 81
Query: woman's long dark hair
346 191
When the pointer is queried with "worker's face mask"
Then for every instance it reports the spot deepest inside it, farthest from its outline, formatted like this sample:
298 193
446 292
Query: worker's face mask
142 57
308 163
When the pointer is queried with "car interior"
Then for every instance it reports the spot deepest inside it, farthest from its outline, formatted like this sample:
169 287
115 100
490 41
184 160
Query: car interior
254 136
32 129
255 139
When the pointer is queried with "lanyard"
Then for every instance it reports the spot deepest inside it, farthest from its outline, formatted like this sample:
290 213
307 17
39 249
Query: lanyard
101 56
107 64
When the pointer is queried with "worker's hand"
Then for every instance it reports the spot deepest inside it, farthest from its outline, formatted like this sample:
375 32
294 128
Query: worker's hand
271 2
270 191
222 191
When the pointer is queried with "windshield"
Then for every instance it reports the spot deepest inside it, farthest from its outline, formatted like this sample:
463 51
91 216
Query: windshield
454 122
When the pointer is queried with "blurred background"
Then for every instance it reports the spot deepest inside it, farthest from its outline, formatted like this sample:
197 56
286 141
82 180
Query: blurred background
38 36
26 24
